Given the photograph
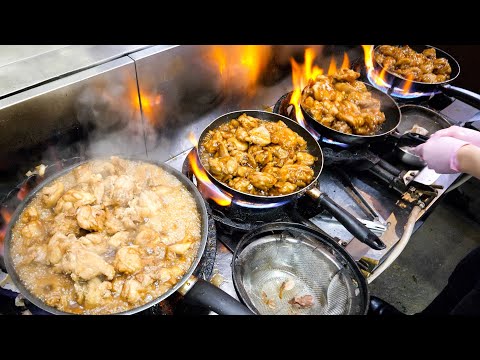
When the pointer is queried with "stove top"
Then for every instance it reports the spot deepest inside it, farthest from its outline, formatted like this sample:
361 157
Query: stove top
371 189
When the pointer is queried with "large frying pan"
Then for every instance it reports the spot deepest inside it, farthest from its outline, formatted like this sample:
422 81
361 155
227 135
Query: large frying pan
387 106
196 291
466 96
345 218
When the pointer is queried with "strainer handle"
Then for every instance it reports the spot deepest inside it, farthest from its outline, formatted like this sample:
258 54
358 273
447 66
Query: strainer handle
204 294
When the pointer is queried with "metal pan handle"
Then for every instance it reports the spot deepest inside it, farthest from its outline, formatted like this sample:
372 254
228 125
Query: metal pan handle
464 95
409 139
200 292
359 230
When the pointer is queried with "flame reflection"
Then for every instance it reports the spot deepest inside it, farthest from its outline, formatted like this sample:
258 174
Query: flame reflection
379 79
208 187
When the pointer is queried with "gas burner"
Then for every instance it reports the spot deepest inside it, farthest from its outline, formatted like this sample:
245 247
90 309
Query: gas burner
240 216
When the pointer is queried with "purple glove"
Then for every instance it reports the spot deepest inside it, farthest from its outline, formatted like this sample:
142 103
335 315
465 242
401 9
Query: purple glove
457 132
440 154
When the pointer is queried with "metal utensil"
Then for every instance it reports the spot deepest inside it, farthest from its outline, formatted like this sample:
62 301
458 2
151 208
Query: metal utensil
311 263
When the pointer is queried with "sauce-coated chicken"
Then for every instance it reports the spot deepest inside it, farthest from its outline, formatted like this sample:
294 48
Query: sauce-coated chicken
342 103
409 64
258 157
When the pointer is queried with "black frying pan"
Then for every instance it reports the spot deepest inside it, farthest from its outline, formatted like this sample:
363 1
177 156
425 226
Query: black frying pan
387 106
466 96
345 218
195 290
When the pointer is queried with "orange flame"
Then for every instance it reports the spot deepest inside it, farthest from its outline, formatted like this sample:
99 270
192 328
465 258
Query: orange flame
151 104
332 69
408 84
346 61
301 74
241 64
203 181
380 78
24 190
7 216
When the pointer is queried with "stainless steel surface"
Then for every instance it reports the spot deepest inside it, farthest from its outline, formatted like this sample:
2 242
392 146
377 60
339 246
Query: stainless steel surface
187 87
15 53
104 96
23 67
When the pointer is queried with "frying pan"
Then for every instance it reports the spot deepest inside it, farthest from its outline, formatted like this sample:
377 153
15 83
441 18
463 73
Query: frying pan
422 116
196 291
345 218
313 263
387 105
466 96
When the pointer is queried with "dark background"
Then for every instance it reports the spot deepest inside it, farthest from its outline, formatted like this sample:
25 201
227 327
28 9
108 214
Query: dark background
468 56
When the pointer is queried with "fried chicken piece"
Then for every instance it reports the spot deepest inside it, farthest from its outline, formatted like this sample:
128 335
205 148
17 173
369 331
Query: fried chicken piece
180 249
84 264
119 239
241 184
304 158
302 302
259 136
51 194
300 175
247 122
33 233
30 214
261 180
94 293
128 259
91 218
58 246
132 291
123 190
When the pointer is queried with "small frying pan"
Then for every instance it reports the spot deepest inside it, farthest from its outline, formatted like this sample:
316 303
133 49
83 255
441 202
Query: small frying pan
466 96
387 105
358 229
424 117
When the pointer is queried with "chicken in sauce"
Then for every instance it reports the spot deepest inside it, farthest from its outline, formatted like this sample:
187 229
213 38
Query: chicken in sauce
109 236
343 103
409 64
258 157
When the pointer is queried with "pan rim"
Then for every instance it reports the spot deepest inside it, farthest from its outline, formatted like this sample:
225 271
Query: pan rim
421 82
32 194
275 197
367 137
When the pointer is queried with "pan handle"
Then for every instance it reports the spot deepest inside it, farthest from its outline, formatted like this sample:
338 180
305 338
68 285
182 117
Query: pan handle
409 139
200 292
466 96
357 229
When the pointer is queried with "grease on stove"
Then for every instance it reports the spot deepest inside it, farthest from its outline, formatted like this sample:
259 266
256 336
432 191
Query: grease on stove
217 279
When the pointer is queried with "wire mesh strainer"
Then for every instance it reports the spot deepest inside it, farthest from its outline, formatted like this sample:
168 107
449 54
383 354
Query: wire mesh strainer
291 269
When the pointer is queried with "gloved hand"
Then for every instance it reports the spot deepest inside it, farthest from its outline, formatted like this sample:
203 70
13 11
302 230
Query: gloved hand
440 153
457 132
